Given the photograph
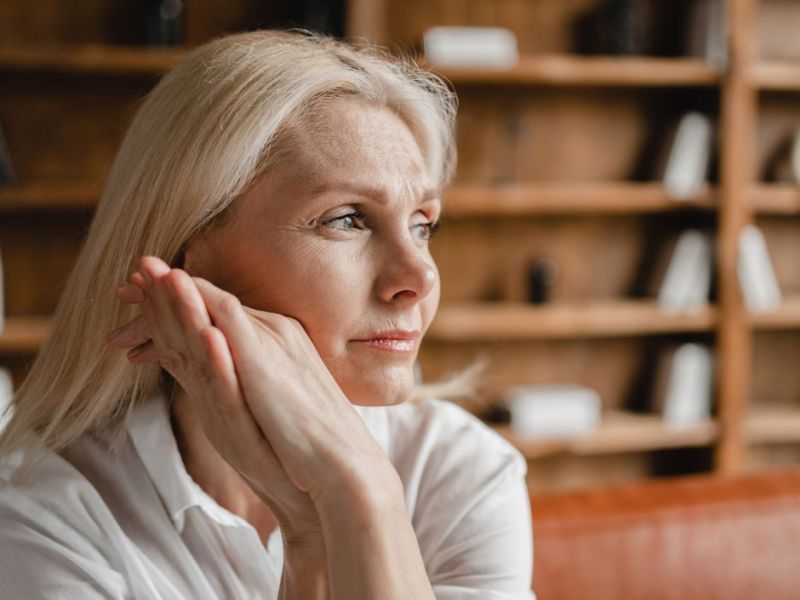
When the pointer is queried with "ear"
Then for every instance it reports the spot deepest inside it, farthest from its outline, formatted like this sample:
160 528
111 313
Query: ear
196 258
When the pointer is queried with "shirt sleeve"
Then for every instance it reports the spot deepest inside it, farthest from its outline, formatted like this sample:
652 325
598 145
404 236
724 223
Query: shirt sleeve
489 552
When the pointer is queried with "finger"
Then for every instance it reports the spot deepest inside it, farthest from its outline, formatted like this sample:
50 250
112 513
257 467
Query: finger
159 310
143 354
188 305
133 333
229 316
226 404
129 293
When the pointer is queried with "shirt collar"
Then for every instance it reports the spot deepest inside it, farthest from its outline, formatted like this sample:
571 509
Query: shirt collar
150 432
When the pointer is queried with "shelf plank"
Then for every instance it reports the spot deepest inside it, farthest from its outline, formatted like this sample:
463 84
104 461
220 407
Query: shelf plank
778 424
565 70
46 196
484 321
90 58
776 75
23 334
619 432
776 199
786 316
556 198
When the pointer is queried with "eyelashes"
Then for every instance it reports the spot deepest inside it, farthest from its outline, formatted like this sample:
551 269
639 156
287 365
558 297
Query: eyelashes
431 227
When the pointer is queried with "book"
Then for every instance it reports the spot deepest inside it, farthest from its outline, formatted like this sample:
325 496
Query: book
756 275
687 281
684 384
555 411
7 175
686 170
486 47
706 32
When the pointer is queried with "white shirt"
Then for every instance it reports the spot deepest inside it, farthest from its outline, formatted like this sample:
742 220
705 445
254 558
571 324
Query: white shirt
88 526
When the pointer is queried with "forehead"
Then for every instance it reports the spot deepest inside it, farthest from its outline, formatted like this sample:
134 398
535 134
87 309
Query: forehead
349 141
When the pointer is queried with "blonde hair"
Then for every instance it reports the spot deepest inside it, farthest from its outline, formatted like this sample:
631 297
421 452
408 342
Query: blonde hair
201 135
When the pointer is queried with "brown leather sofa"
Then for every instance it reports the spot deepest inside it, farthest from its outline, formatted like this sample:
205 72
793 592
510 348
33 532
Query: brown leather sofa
687 538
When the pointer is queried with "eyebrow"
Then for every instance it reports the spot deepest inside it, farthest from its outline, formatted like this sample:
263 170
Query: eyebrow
375 194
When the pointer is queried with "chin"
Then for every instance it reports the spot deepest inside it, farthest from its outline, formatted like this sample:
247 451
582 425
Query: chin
381 392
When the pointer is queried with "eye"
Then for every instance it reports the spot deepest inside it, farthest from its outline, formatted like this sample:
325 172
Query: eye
346 221
428 229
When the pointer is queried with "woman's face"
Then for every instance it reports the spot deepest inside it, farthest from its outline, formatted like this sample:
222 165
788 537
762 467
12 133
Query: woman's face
336 236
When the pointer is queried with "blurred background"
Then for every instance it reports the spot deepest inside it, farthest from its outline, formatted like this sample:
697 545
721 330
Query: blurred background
620 245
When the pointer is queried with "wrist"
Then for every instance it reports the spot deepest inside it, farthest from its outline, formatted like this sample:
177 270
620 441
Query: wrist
305 569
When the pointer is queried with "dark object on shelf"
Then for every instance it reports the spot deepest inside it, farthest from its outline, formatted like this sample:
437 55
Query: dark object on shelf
322 16
7 175
164 23
617 27
541 276
497 415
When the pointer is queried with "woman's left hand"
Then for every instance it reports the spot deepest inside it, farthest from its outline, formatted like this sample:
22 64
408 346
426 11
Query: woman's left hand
320 440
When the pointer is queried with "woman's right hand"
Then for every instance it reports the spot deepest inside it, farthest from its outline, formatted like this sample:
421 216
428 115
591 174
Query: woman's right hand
177 320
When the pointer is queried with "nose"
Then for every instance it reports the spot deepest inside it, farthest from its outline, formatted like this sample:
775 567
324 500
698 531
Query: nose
407 274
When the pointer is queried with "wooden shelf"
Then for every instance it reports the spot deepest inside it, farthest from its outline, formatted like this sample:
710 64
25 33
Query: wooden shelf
564 70
776 75
540 69
786 316
519 321
775 425
464 200
49 196
24 334
90 58
776 199
619 432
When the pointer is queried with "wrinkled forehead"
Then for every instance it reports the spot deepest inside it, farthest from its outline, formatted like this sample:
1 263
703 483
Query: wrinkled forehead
353 141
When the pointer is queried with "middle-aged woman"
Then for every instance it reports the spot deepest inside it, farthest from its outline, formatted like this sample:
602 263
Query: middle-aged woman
252 428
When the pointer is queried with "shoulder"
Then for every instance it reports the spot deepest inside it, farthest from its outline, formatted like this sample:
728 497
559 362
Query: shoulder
443 440
51 530
467 497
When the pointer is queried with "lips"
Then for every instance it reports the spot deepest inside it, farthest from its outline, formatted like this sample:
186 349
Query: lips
396 340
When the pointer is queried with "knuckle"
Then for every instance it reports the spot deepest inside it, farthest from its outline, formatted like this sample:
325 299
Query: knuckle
229 304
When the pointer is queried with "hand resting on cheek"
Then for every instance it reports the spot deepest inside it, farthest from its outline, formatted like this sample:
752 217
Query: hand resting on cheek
265 398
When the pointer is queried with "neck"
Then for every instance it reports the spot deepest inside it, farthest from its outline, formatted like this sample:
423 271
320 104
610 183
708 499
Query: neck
211 472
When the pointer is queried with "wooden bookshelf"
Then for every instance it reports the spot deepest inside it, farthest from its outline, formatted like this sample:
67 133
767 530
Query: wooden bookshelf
23 335
58 196
786 316
516 321
773 425
584 71
549 156
776 75
558 198
776 199
619 432
89 59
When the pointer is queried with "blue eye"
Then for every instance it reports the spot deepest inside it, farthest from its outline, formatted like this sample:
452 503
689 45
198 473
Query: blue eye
348 218
430 228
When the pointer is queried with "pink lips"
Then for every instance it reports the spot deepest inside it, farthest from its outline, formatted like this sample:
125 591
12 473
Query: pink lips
397 340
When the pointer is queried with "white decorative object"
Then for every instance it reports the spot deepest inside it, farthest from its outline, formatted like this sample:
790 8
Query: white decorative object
687 282
553 411
796 157
689 388
6 396
487 47
757 278
687 166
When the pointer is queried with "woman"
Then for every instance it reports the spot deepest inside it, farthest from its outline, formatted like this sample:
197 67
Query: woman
268 219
